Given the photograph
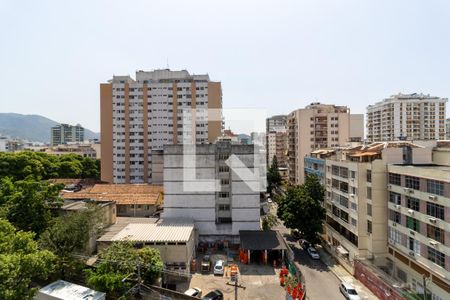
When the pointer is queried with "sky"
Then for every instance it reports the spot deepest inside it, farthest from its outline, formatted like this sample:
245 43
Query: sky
275 56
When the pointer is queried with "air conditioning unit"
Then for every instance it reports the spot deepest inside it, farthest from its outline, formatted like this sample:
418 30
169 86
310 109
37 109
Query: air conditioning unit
410 211
433 243
392 241
412 232
398 206
411 253
394 224
432 197
432 220
352 195
406 190
389 186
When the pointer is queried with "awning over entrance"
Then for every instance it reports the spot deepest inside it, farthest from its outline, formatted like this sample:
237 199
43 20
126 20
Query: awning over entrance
342 250
261 240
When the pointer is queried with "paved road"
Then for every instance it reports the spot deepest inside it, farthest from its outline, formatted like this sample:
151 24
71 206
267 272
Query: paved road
321 283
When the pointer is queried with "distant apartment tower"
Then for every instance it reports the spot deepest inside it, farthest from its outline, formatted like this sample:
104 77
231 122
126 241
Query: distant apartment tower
142 115
319 126
407 117
232 203
276 140
64 133
447 129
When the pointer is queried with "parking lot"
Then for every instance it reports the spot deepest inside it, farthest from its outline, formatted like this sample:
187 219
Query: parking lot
257 281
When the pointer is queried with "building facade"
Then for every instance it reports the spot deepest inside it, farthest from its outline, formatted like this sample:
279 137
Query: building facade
64 134
276 140
355 201
318 126
144 114
447 129
406 116
419 226
207 185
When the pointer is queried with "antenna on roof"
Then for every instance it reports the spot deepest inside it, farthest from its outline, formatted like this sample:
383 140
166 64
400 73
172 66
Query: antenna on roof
167 63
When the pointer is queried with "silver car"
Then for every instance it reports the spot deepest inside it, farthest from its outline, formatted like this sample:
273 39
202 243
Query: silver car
349 291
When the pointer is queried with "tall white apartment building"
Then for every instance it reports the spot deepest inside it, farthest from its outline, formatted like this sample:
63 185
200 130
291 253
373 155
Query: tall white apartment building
221 196
319 126
407 116
142 115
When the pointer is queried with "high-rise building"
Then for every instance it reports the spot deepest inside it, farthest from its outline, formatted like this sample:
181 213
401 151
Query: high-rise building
63 134
276 123
216 186
447 129
142 115
407 117
276 140
319 126
419 227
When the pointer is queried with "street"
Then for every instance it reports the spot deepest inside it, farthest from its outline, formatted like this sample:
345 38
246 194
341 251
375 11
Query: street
321 283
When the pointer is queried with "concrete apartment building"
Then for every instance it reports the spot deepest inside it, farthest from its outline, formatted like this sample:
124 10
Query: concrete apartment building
447 129
406 116
276 140
319 126
217 197
356 196
64 134
142 115
419 226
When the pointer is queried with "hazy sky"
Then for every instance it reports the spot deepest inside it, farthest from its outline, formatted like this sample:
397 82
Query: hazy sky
274 55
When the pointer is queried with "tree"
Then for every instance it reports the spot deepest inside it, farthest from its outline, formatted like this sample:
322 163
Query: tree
269 221
121 260
40 166
27 204
21 262
273 175
69 235
314 188
299 210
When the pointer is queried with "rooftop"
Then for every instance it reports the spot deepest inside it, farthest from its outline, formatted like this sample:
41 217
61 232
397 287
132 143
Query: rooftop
121 223
122 194
155 233
68 291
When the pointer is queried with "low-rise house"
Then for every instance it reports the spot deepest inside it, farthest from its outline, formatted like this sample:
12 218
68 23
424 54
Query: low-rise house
63 290
132 200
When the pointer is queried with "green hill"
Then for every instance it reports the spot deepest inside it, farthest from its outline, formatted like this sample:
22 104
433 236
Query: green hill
34 128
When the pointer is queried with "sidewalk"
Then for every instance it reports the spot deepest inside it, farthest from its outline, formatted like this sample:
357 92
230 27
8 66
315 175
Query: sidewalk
345 276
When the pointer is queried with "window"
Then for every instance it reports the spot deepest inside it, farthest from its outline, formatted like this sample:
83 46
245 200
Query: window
369 176
353 206
224 207
413 224
435 187
395 178
435 210
224 195
436 256
369 226
353 174
369 209
395 235
435 233
369 192
224 169
353 221
412 182
224 181
414 245
395 216
395 198
413 203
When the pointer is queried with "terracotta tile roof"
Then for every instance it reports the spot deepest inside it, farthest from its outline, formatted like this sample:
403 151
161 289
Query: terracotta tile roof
123 194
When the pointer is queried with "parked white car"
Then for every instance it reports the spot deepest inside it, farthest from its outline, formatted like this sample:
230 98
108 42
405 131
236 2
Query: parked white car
313 253
194 292
349 291
219 267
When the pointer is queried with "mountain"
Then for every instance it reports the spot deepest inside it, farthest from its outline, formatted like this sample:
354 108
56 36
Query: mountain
34 128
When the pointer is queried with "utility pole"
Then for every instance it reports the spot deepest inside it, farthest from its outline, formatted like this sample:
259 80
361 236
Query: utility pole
424 287
236 287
